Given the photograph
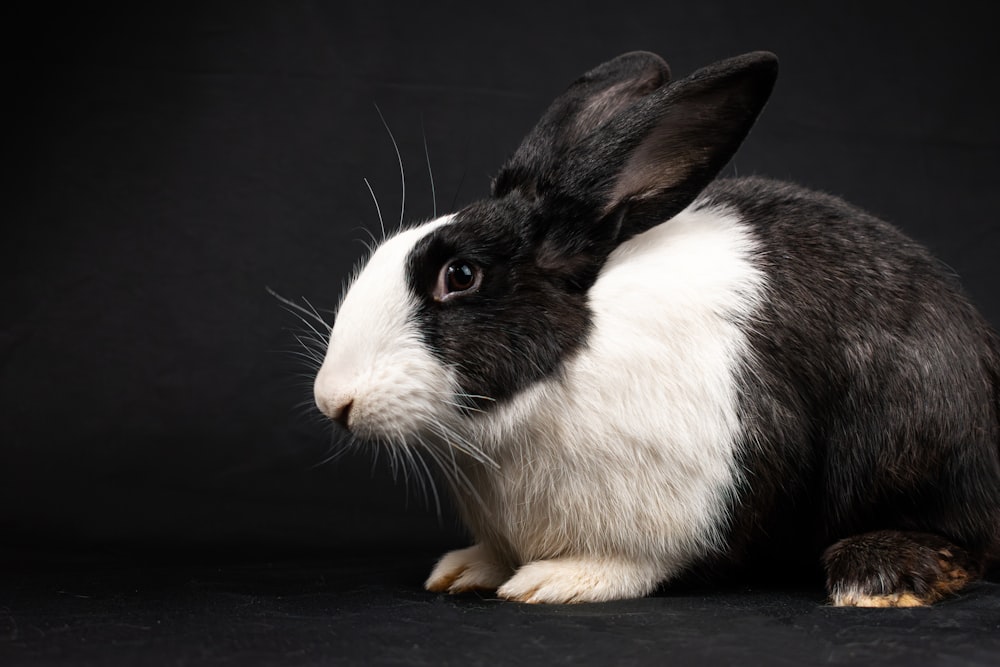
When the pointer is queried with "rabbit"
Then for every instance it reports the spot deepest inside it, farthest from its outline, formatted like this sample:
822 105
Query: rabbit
629 371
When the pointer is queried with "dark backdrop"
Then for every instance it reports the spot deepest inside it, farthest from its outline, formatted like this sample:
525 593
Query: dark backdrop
167 163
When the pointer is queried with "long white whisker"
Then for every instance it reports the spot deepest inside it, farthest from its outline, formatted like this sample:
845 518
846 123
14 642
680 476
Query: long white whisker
378 209
462 394
422 475
393 453
455 441
483 398
456 479
469 486
463 407
430 480
316 312
374 241
320 337
430 172
296 307
335 452
399 158
308 349
400 452
459 396
308 357
375 452
308 337
410 469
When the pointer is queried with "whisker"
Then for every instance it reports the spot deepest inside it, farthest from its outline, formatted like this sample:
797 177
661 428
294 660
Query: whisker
392 453
308 337
310 415
375 452
455 441
430 172
307 410
451 473
316 313
418 457
409 468
400 461
302 341
461 394
296 308
476 396
469 486
374 241
378 209
308 357
480 397
304 336
463 407
337 449
402 175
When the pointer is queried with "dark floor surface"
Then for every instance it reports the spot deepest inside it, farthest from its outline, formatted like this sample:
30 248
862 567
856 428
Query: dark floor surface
374 612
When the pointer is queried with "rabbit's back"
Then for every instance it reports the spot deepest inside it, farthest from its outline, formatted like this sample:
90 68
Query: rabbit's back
870 396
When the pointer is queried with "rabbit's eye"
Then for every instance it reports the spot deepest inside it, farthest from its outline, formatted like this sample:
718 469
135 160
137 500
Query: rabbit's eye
457 277
460 277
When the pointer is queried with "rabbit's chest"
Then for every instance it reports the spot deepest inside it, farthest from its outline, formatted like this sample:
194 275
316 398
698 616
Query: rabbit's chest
559 496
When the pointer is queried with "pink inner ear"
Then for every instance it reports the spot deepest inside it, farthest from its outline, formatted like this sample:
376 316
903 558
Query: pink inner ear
696 134
659 162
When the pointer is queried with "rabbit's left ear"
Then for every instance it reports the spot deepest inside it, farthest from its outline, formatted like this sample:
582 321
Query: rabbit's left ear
650 161
590 102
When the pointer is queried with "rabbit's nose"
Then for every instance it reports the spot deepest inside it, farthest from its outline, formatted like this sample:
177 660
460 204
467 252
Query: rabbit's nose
342 414
337 408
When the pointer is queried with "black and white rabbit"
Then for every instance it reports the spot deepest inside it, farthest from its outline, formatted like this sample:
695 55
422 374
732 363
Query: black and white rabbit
628 371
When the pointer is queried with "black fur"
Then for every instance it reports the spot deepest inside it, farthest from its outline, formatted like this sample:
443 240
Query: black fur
898 568
586 179
871 399
871 395
526 318
590 101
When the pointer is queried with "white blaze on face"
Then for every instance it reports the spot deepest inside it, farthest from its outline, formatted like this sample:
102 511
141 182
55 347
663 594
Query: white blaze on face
378 370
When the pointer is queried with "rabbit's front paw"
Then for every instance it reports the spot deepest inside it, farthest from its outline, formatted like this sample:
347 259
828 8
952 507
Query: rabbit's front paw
467 570
567 580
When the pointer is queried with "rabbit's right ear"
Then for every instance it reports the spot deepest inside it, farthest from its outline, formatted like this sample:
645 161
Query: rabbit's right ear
587 104
647 163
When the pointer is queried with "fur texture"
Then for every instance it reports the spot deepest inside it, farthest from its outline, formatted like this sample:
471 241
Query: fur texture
638 464
377 363
641 373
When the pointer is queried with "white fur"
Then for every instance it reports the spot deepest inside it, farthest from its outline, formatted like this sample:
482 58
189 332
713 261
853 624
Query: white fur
629 458
613 476
375 357
581 579
463 570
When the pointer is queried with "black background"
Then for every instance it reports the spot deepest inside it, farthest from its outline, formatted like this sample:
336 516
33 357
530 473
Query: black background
168 162
162 497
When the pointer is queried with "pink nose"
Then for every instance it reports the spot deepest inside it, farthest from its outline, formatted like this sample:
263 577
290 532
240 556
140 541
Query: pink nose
339 410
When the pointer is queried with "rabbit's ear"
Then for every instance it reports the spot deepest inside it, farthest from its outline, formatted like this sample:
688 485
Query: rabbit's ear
649 162
590 102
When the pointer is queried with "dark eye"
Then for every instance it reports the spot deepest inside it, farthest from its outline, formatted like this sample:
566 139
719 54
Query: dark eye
457 277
